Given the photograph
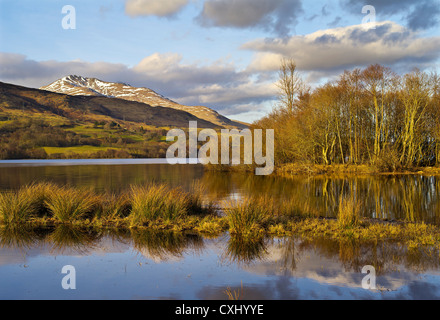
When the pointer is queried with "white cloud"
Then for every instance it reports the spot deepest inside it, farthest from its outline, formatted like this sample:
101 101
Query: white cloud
162 8
346 47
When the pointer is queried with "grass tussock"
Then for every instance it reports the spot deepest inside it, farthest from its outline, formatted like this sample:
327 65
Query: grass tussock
349 213
15 207
24 204
155 202
140 206
113 207
197 204
69 205
249 215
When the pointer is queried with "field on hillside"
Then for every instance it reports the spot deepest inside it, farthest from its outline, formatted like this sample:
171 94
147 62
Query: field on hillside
41 136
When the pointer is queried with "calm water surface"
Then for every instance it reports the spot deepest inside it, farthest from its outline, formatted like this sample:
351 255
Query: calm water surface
133 265
169 266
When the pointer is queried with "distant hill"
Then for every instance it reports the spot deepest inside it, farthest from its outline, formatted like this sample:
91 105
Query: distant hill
81 86
92 107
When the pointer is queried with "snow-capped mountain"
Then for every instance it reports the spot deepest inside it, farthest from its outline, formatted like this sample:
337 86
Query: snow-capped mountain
82 86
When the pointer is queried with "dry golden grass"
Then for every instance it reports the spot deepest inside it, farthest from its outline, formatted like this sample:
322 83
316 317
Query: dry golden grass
155 202
68 204
23 204
249 215
349 213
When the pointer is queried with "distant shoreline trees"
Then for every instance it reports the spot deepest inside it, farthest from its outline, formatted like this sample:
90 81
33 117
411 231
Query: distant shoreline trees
366 116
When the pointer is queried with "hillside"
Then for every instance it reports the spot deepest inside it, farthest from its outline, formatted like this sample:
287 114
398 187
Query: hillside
91 108
81 86
38 124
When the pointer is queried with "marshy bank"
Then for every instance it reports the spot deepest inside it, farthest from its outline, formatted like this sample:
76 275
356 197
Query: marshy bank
158 207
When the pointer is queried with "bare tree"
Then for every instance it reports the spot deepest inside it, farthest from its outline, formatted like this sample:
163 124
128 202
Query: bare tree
291 85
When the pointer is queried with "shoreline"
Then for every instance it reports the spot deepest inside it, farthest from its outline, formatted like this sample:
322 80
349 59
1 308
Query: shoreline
290 169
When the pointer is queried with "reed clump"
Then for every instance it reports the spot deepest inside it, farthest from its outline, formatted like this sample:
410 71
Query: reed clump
235 295
197 204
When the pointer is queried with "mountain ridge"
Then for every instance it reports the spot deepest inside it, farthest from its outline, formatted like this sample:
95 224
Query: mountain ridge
75 85
92 107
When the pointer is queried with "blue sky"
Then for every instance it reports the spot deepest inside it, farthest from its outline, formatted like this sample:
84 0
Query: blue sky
220 53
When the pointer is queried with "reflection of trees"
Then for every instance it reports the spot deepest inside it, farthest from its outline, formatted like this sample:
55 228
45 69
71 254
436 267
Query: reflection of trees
402 197
165 245
385 257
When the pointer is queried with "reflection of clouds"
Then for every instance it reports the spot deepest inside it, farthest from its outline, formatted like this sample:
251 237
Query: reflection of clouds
160 256
282 287
420 291
325 270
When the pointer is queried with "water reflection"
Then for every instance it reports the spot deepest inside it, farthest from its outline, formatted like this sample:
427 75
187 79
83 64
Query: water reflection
111 178
244 251
67 238
19 237
291 268
405 197
399 197
161 246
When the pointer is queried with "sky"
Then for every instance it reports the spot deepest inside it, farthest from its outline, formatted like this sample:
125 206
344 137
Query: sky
224 54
